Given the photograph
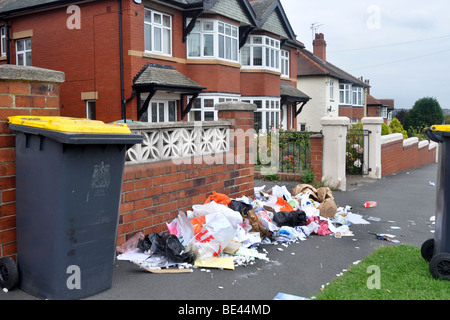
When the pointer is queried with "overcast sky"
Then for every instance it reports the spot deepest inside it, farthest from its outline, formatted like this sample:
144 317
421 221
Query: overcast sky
402 47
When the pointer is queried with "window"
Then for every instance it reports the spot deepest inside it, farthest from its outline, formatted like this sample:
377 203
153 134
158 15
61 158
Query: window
384 112
203 107
158 32
161 111
285 63
213 39
2 41
267 114
263 51
345 96
23 52
90 109
331 90
358 96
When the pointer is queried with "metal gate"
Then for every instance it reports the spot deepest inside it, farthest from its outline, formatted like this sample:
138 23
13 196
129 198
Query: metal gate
357 152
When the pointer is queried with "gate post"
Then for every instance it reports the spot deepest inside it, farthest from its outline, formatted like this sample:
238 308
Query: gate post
372 152
334 130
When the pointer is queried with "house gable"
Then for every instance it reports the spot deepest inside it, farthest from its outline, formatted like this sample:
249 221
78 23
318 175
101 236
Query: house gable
272 18
233 9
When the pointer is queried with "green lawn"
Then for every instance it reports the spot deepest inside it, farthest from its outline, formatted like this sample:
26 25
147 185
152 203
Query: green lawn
403 275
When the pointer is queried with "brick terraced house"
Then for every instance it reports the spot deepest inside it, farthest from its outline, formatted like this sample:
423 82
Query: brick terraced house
160 61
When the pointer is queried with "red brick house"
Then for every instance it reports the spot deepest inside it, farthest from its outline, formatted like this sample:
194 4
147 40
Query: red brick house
159 61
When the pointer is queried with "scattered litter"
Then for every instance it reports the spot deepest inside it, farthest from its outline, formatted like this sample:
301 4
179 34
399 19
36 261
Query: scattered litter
356 262
217 263
370 204
385 236
5 290
395 228
224 233
220 287
285 296
431 183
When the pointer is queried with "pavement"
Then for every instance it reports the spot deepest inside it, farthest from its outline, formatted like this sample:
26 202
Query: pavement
405 201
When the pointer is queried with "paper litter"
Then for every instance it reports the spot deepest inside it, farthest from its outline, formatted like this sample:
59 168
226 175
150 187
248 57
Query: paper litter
224 233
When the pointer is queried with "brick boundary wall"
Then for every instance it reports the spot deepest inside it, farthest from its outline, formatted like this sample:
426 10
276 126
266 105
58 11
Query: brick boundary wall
23 91
399 155
154 193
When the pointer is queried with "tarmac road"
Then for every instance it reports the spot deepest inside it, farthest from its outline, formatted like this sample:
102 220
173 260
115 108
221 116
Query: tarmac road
405 200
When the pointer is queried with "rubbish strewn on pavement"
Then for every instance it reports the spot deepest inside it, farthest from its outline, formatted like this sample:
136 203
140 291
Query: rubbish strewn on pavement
225 233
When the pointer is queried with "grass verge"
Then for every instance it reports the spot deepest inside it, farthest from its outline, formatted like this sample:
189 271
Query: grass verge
393 273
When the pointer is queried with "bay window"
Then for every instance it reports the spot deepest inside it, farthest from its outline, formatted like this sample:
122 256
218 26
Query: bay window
345 94
263 51
267 114
213 39
158 32
358 96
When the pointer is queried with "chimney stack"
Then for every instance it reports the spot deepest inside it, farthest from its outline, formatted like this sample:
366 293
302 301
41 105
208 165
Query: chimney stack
320 46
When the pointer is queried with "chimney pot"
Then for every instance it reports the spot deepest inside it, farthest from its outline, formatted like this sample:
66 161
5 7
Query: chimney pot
320 46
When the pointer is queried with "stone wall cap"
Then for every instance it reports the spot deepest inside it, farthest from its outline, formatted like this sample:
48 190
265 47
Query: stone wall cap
33 74
335 121
235 106
372 120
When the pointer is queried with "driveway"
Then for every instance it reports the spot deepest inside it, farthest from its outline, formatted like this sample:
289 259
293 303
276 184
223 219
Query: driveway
405 201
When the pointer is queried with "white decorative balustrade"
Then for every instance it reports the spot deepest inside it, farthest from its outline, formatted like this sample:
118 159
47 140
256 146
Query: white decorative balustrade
177 140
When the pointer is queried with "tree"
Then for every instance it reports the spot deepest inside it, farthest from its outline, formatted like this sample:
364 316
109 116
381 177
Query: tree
396 127
425 113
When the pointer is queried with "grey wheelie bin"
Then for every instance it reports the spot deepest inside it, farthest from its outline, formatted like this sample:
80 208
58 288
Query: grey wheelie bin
69 175
437 250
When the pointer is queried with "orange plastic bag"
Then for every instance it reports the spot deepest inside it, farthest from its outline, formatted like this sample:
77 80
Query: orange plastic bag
283 205
198 223
219 198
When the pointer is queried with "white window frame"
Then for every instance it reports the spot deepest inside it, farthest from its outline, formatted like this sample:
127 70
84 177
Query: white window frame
270 53
345 94
225 38
285 63
24 53
151 27
270 110
384 112
205 103
358 96
148 115
89 105
2 41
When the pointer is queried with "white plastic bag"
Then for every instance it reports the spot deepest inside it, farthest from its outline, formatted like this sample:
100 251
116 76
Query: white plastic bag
212 207
214 237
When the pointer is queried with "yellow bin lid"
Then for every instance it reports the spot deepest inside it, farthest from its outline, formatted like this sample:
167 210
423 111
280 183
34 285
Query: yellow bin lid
70 125
445 127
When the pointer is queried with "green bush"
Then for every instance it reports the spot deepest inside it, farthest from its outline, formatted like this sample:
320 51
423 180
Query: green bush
384 129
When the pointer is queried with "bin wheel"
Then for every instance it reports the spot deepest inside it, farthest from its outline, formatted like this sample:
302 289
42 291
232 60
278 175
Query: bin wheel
427 250
9 275
440 266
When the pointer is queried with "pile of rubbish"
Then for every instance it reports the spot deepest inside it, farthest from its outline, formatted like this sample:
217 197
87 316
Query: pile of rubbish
225 233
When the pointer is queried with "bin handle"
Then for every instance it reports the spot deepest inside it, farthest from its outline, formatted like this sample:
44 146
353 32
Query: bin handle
434 135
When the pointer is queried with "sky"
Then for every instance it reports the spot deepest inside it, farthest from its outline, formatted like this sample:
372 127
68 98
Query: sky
402 47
